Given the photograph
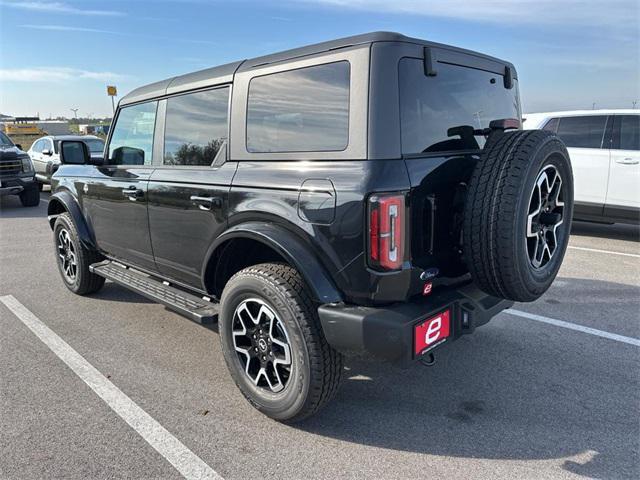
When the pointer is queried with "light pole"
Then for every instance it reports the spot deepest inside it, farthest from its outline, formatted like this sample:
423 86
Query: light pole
75 112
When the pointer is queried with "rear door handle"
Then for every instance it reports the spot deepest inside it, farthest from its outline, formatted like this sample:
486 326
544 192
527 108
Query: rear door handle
132 193
206 203
628 161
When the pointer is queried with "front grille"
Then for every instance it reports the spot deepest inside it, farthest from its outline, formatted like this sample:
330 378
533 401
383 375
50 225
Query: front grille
10 167
10 163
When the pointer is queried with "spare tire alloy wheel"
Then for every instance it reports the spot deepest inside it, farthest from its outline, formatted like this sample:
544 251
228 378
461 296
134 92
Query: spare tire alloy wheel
260 338
546 214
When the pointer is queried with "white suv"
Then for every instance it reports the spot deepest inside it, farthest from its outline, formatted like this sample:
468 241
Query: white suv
46 157
604 146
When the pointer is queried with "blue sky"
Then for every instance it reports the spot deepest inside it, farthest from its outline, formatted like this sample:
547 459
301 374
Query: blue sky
62 54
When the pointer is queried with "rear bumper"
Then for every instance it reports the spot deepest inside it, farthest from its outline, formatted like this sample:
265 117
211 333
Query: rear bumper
15 185
388 332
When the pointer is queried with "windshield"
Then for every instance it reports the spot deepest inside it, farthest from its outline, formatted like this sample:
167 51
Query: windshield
457 96
4 140
95 144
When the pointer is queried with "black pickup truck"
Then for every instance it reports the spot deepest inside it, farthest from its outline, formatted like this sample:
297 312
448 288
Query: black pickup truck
371 195
17 175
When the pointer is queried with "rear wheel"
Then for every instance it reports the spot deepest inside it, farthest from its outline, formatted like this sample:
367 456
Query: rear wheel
273 344
518 214
30 197
74 259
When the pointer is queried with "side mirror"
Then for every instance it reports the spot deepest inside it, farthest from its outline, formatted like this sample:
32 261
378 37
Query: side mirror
47 152
74 152
18 146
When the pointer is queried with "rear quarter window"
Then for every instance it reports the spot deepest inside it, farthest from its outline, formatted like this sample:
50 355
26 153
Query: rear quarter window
300 110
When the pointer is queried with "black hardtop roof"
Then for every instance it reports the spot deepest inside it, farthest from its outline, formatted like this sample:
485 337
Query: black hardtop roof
225 73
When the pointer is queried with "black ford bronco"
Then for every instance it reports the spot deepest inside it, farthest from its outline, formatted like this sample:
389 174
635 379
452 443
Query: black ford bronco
370 195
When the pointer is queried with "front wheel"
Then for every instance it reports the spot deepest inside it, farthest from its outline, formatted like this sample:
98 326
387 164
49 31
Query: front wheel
74 259
273 344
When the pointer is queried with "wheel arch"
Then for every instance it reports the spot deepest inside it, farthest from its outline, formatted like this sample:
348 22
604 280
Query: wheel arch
265 243
64 202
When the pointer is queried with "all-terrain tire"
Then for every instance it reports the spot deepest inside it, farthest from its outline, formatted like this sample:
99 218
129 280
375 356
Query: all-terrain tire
316 368
30 197
83 282
497 227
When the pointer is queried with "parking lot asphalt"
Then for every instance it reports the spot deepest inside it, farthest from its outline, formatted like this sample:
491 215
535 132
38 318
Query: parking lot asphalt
519 398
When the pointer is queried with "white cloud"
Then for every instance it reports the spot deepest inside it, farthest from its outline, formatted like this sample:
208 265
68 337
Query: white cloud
559 12
54 74
65 28
57 7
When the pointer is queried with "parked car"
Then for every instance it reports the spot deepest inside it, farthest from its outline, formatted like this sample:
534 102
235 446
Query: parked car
17 176
45 153
604 146
372 194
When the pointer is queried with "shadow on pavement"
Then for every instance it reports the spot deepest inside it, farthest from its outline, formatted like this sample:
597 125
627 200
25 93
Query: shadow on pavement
10 207
511 391
617 231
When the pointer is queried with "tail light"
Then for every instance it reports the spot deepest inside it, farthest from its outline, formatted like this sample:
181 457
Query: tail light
386 231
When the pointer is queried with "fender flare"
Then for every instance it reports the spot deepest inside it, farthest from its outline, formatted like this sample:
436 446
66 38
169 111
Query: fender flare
71 206
291 248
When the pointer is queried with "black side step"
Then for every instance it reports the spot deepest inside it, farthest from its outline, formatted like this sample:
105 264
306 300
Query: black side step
191 306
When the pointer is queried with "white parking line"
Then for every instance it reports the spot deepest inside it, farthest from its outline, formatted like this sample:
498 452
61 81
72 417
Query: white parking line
175 452
573 326
597 250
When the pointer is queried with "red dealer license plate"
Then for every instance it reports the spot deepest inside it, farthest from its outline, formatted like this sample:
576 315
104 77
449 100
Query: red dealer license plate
432 332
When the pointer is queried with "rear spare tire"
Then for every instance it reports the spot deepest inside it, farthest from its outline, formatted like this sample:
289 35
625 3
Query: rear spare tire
518 214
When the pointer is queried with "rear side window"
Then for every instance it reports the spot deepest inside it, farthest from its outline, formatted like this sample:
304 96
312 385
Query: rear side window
626 132
300 110
439 113
582 132
196 127
132 138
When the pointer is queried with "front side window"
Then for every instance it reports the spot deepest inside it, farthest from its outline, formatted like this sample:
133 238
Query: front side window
195 127
439 113
38 146
582 132
132 138
627 132
300 110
